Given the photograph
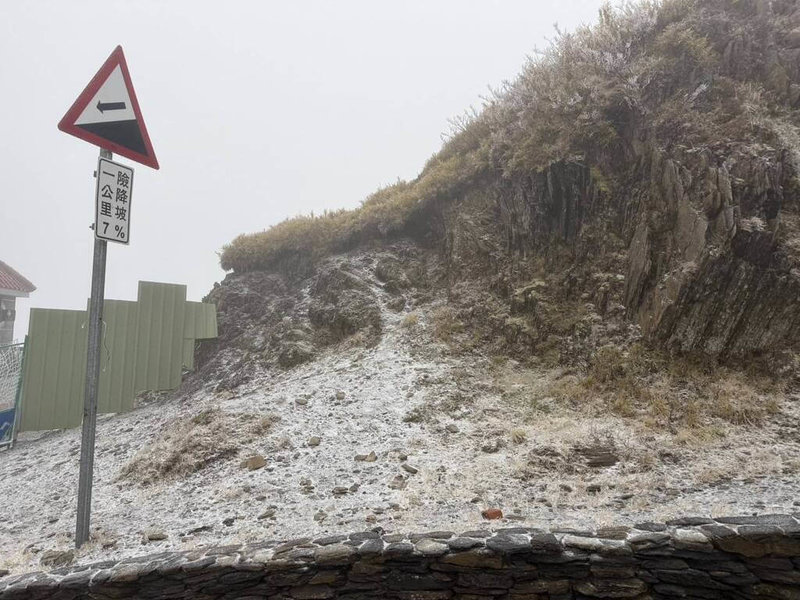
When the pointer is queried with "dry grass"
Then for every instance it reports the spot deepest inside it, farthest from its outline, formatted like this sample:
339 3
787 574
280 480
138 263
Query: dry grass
577 98
410 321
662 393
674 393
296 243
519 435
184 446
264 424
446 324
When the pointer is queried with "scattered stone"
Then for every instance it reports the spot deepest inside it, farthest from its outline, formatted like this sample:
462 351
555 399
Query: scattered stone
313 441
154 535
201 528
340 490
320 516
267 514
301 401
408 468
598 454
492 446
57 558
593 488
306 485
254 462
293 353
340 395
398 483
452 428
492 514
228 521
371 457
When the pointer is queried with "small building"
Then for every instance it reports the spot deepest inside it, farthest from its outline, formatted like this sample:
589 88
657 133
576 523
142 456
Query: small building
12 286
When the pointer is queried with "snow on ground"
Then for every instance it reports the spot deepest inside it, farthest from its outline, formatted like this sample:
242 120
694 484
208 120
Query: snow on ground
418 408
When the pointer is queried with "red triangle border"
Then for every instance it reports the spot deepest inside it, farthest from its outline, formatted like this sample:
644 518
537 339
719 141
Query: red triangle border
67 123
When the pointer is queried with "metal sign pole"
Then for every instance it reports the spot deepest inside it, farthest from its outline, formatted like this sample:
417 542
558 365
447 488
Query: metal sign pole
90 393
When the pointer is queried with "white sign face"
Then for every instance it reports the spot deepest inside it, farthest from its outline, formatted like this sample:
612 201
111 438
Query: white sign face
113 201
110 103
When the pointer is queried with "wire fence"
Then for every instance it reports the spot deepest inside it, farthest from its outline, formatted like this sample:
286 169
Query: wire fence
10 380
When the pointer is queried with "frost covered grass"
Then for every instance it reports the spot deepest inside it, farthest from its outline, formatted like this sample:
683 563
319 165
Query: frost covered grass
664 393
188 444
661 61
185 446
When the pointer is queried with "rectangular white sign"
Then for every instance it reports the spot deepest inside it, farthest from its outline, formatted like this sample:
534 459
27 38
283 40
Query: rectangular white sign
113 201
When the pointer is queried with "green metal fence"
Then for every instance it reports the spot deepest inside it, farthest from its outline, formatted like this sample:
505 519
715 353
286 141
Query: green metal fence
145 346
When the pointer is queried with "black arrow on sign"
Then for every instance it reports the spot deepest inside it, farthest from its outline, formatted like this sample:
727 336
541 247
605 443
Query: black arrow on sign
101 106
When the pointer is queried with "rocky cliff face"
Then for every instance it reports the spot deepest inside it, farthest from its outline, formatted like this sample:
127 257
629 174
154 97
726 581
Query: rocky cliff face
692 245
692 248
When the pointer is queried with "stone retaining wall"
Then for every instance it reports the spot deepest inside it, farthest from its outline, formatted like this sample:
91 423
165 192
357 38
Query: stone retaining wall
727 558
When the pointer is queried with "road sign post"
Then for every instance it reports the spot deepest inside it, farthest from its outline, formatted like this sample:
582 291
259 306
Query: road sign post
92 379
106 114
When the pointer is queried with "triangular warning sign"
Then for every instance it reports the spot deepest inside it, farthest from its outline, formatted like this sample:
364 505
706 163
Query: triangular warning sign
107 114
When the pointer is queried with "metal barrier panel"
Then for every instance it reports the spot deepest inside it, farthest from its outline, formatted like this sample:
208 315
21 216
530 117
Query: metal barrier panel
199 323
118 346
159 356
54 370
144 347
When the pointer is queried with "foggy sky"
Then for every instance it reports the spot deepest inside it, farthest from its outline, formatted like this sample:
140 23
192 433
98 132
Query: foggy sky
257 111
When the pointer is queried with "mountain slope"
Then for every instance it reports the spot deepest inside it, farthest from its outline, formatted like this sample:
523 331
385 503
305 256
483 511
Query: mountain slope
403 431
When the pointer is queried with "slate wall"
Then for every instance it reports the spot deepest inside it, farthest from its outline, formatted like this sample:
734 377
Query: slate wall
727 558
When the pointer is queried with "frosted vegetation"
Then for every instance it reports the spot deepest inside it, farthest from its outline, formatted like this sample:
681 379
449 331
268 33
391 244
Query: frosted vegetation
585 96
